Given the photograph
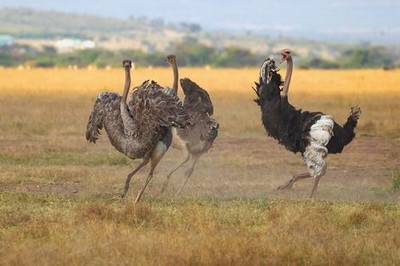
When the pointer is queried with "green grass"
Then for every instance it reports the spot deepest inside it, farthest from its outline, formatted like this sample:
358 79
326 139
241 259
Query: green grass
63 159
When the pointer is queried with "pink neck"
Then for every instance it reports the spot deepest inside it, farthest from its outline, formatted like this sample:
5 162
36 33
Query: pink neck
288 77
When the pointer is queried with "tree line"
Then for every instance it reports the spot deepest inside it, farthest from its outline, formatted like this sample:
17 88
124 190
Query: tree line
189 54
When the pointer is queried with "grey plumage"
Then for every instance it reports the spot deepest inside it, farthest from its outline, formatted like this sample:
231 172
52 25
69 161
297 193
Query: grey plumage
196 99
140 128
198 136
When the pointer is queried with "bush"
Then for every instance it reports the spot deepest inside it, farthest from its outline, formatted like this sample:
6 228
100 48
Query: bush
44 62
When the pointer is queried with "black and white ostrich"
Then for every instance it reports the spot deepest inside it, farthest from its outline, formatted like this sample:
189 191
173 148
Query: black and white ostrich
313 134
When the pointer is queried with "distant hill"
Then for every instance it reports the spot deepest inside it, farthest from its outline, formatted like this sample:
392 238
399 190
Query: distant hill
144 34
42 30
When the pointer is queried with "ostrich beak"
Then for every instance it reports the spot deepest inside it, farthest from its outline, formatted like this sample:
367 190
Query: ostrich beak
283 58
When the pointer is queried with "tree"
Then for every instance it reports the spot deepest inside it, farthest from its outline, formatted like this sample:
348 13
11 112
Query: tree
377 56
236 57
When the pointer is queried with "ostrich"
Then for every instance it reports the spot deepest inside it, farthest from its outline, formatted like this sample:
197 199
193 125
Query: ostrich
198 136
140 128
313 134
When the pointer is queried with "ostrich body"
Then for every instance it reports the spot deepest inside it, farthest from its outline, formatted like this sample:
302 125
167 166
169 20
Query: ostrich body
141 128
198 136
313 134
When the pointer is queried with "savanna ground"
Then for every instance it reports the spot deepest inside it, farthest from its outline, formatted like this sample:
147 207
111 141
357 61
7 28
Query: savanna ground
59 195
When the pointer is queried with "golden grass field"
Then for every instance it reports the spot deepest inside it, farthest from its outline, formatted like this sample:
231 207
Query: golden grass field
59 195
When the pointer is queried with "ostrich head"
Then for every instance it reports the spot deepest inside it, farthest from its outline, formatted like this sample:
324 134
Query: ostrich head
208 127
213 126
127 63
268 89
171 59
286 55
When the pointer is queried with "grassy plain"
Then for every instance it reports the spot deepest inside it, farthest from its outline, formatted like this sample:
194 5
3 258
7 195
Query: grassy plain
59 201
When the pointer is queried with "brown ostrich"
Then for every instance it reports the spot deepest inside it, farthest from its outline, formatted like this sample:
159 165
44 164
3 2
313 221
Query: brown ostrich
198 136
313 134
140 129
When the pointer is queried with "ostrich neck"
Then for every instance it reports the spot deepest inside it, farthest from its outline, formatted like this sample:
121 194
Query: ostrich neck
288 77
127 85
127 119
176 76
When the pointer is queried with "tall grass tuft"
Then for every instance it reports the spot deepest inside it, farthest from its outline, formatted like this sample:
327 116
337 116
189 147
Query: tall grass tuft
129 214
396 179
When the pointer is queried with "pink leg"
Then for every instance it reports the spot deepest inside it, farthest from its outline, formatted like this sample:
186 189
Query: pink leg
314 189
295 178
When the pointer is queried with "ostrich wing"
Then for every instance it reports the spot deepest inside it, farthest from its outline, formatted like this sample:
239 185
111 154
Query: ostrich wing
196 98
106 107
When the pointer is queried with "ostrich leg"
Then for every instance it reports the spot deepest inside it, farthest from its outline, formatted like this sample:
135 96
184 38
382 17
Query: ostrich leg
314 189
156 157
146 182
187 157
293 180
128 179
298 177
194 159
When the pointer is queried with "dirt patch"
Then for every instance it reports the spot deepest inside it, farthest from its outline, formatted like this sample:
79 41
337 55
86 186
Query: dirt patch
58 189
255 166
246 167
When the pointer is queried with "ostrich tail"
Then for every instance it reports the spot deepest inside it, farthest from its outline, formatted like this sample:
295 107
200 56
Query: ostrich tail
351 124
269 82
95 123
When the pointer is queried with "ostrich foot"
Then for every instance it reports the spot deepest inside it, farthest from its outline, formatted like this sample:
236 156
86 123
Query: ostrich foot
123 194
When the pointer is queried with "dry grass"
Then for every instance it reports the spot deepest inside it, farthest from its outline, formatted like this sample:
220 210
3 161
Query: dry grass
59 199
53 230
376 91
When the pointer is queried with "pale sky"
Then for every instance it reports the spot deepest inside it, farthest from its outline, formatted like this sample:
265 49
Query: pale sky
369 20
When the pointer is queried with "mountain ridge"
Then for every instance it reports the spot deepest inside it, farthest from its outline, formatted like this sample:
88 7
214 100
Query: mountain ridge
144 34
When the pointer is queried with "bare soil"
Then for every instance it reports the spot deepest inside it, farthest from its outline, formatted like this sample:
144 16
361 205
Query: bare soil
248 167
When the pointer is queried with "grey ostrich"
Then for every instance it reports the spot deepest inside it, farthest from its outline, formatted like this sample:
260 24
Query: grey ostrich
313 134
198 136
140 128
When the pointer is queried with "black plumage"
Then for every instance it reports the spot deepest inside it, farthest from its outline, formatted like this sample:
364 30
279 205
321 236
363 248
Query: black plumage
292 127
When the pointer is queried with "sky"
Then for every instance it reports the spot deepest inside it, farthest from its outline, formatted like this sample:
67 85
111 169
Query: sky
375 21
